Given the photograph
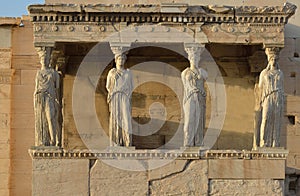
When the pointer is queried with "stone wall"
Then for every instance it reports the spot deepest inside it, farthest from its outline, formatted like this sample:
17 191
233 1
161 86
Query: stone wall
290 62
60 177
5 105
246 187
179 177
25 63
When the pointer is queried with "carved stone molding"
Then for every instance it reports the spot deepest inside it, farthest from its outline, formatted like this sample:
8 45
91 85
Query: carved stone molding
165 12
288 9
245 154
48 153
220 24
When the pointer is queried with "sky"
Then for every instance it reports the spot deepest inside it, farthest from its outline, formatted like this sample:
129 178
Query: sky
16 8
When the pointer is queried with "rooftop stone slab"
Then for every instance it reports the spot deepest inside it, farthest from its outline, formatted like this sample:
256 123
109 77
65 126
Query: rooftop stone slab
190 2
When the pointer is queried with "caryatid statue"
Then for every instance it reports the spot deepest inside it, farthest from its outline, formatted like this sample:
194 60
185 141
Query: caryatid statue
46 101
194 101
271 100
119 85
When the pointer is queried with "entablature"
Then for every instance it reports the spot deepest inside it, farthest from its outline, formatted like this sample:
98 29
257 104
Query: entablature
208 24
182 13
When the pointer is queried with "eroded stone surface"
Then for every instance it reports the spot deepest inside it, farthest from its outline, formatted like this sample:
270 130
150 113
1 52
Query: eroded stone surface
192 180
108 180
246 169
60 177
246 187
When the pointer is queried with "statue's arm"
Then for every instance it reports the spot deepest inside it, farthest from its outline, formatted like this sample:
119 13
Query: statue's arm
35 90
261 76
184 77
36 83
108 81
109 84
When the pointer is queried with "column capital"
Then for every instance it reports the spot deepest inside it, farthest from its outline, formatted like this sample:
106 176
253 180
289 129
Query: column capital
193 49
119 48
272 51
44 53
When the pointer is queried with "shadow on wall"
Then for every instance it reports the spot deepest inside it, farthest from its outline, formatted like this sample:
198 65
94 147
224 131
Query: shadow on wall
234 140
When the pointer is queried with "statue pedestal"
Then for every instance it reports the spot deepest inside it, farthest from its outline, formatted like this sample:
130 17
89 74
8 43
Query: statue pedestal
269 149
201 150
46 148
120 149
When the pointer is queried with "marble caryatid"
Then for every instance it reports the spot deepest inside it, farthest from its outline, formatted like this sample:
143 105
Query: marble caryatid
271 100
119 85
46 102
194 101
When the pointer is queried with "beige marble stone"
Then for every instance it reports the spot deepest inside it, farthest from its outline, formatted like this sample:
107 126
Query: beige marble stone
27 77
60 177
118 182
191 180
5 58
246 187
173 167
5 34
246 169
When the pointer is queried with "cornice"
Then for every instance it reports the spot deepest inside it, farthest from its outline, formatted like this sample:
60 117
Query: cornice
182 13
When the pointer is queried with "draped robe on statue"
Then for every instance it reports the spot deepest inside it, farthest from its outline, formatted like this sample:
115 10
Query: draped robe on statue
194 105
46 104
119 86
272 100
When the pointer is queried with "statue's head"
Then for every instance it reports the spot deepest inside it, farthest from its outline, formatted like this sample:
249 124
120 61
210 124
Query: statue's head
273 55
194 53
194 58
120 59
44 54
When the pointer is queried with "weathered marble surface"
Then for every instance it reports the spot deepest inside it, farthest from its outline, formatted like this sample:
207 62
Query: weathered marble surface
119 85
181 177
194 101
246 187
246 169
271 97
191 180
60 177
46 102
